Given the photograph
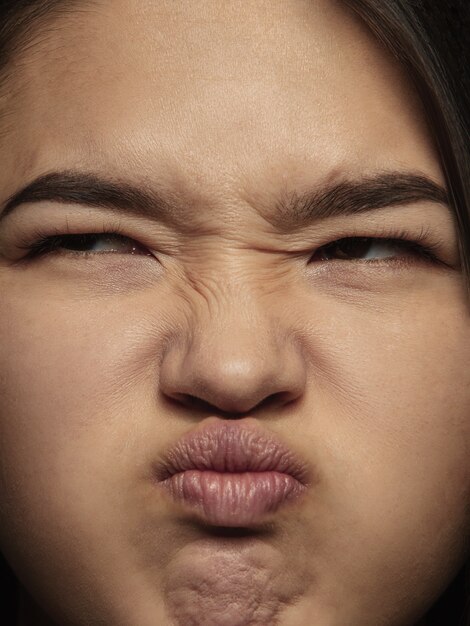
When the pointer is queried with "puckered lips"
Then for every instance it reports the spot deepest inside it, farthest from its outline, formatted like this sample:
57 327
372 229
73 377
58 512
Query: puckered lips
232 474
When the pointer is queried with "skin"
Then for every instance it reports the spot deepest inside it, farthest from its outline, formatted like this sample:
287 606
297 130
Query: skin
224 107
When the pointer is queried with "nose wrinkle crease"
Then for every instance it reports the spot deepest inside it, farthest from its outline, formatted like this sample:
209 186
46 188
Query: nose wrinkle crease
223 296
225 286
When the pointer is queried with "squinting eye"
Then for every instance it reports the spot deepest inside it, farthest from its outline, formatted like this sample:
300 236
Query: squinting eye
370 249
86 244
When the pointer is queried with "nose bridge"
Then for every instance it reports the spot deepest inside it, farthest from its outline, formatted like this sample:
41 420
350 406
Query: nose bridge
235 353
230 304
240 338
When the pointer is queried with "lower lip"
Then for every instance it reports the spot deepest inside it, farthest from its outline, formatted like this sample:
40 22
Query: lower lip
233 499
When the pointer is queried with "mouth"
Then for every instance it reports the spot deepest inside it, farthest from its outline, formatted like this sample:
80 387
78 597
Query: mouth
232 474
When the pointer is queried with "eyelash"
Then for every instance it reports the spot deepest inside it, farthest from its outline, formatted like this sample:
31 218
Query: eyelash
421 244
39 244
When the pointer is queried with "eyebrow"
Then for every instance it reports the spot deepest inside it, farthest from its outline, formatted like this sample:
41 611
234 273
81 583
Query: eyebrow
346 197
88 189
352 197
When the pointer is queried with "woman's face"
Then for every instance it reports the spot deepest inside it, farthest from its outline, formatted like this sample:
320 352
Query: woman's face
245 137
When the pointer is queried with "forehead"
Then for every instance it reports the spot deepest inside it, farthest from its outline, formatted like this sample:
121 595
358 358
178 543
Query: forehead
207 95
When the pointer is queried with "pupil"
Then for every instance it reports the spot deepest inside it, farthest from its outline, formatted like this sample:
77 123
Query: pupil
352 247
80 242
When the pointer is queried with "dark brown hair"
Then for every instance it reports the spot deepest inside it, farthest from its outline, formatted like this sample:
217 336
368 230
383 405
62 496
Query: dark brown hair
428 37
430 40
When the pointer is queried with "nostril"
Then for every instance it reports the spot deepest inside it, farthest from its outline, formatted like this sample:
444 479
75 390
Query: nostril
280 398
203 406
232 380
200 405
193 402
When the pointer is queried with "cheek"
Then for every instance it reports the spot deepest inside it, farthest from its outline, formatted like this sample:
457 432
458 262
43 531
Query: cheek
77 412
392 413
389 390
70 397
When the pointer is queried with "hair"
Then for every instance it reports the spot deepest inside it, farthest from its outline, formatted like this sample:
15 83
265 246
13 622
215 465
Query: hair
430 42
428 38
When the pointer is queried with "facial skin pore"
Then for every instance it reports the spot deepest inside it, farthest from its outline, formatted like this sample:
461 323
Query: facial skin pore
361 368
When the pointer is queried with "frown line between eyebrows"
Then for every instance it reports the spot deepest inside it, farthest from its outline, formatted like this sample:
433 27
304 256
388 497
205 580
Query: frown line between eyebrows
347 197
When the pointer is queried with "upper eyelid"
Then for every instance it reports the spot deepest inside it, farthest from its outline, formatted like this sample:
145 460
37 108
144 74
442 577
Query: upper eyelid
166 241
112 234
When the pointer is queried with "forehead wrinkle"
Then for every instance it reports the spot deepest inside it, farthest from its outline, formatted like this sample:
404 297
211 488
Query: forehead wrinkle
28 41
56 50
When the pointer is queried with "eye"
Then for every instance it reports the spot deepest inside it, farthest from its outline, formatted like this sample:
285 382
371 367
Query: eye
85 244
372 249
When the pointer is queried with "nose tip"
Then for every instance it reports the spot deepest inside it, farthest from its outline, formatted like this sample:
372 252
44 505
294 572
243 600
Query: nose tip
233 375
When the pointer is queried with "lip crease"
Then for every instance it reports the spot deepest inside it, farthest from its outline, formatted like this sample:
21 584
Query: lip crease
232 473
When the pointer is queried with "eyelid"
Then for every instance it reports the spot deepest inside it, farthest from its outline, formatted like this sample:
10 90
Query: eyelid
425 240
426 237
56 245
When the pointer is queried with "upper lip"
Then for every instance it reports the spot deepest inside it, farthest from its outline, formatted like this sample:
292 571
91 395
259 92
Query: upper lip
224 446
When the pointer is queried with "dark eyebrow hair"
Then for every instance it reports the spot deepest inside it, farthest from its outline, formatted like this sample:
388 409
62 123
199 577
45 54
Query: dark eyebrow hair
347 197
352 197
91 190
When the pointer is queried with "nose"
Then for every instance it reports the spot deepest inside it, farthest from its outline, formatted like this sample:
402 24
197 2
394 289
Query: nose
233 367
